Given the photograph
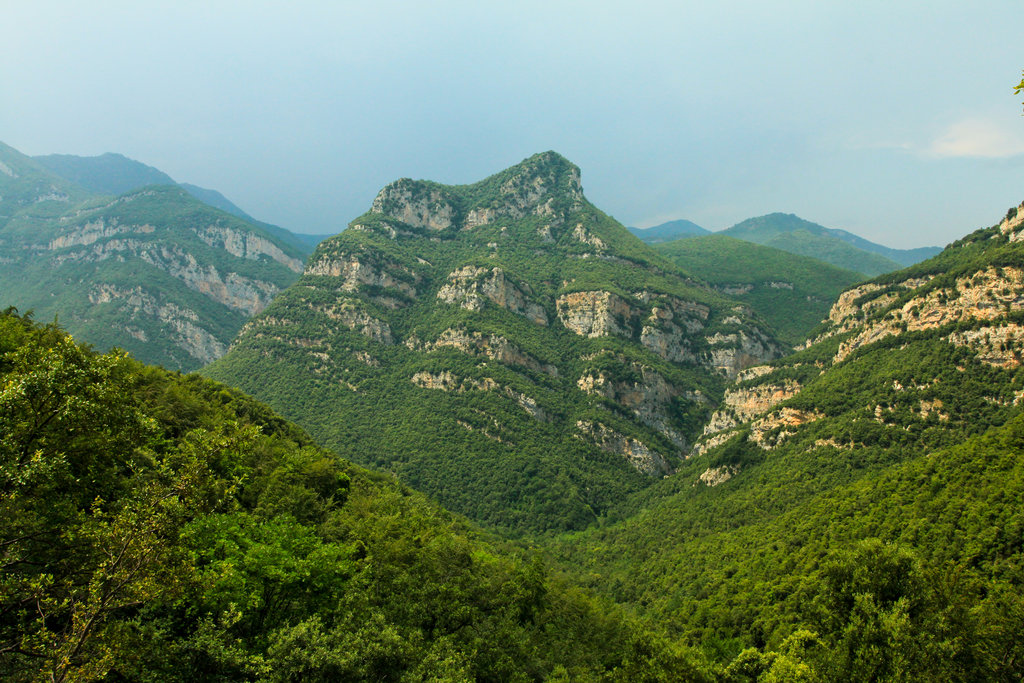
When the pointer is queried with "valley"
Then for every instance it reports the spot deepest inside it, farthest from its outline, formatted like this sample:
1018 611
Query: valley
487 420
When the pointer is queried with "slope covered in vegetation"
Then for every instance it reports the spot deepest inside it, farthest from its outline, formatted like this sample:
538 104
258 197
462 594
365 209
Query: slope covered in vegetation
791 293
504 347
866 490
155 526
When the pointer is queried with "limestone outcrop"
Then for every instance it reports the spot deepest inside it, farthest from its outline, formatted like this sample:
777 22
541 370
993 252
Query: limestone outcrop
470 287
642 458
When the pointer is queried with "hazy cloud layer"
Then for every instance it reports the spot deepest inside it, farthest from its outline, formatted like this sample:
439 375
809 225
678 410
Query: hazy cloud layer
895 120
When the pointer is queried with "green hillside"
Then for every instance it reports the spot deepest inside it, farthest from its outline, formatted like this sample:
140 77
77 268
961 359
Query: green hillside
504 347
155 526
791 293
153 271
866 490
838 247
669 231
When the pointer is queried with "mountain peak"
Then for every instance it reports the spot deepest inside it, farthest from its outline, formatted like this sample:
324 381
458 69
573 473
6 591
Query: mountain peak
545 184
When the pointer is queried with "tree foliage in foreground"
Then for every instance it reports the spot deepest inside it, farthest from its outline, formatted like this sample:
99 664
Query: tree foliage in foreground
155 526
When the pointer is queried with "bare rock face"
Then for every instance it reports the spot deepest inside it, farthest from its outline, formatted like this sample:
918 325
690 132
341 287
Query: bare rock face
731 353
649 399
470 287
596 314
495 347
997 345
532 191
985 295
354 318
357 270
583 235
642 458
244 294
93 231
772 429
446 381
670 328
185 323
742 405
538 188
247 245
713 476
416 204
1012 223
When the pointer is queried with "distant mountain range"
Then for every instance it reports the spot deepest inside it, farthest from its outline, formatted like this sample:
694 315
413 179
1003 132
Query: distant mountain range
152 270
666 232
798 236
114 174
838 247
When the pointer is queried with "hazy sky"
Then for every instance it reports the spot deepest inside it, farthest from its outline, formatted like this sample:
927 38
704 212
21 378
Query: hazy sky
893 119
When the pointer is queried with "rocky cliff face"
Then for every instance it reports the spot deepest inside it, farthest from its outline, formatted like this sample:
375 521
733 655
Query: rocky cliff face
360 270
495 347
649 397
470 287
669 327
248 245
542 186
183 323
987 294
639 456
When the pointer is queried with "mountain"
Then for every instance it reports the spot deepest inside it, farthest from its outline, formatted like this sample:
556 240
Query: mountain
504 347
108 174
669 231
115 174
156 526
153 271
791 293
32 192
862 495
838 247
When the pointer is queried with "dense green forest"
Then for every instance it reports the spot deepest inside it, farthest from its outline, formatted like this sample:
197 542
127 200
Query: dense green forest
876 506
155 526
791 293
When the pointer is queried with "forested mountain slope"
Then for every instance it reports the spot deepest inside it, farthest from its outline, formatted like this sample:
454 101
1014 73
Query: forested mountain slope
155 526
867 488
115 174
154 271
504 347
792 293
838 247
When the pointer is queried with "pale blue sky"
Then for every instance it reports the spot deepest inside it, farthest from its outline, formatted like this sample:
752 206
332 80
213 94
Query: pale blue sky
892 119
